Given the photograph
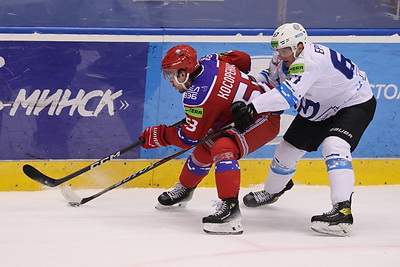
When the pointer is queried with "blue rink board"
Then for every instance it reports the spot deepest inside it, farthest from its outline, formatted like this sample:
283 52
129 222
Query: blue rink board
377 59
85 100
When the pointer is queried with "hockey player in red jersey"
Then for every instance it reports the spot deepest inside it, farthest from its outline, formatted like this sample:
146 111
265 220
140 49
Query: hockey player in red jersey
211 88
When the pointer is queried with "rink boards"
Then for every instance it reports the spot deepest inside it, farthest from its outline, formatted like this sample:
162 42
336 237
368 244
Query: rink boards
69 100
309 172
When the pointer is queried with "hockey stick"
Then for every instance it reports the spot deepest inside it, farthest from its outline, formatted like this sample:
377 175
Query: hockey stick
40 177
75 201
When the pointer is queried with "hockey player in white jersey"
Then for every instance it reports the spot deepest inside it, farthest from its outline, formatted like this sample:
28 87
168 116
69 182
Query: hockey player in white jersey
335 104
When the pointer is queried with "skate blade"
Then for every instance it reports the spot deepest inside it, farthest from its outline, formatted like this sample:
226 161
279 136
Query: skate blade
228 228
177 206
257 205
342 229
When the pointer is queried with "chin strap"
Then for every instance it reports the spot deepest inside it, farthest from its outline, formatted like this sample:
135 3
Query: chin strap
183 84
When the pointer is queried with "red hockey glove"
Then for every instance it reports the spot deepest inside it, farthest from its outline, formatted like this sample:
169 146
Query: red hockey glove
154 137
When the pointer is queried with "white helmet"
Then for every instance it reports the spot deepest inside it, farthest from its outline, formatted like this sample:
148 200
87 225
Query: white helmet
289 35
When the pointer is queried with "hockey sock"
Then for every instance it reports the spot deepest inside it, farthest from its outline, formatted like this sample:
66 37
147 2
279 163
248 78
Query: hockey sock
192 173
227 175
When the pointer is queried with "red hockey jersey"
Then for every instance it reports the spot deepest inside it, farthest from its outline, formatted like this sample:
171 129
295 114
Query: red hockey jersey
208 100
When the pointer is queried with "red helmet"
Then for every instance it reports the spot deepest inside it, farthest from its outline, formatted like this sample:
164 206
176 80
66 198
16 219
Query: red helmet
180 57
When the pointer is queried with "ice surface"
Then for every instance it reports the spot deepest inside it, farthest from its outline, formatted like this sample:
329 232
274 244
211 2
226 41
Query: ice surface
122 228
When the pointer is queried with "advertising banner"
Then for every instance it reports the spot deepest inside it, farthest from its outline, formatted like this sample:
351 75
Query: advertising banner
86 99
70 100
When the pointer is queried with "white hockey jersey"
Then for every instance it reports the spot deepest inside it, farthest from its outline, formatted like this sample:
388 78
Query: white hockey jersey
319 83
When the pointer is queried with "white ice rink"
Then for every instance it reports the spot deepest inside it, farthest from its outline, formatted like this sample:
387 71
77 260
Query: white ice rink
122 228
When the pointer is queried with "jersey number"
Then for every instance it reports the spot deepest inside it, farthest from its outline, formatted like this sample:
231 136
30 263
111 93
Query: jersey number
344 65
191 124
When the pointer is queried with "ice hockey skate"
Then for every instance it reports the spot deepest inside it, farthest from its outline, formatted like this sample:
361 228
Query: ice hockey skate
175 198
336 222
226 220
260 198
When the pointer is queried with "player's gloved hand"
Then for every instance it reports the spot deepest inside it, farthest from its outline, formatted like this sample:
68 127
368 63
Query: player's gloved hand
154 137
242 115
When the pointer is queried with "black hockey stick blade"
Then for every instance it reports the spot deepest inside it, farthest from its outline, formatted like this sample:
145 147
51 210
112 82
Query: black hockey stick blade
75 201
40 177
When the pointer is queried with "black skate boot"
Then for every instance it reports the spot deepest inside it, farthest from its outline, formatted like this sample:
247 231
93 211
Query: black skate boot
259 198
226 220
337 222
177 197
